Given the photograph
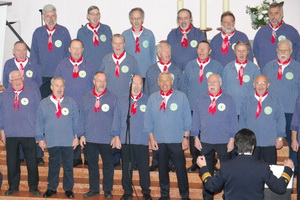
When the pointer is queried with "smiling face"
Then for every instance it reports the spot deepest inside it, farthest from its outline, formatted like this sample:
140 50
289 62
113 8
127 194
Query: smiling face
136 20
100 82
20 51
58 87
261 84
164 53
203 51
165 82
118 45
50 19
76 49
284 51
184 19
94 17
214 84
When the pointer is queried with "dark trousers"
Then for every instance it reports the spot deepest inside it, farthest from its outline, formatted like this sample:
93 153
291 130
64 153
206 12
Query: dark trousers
267 154
13 161
293 154
93 150
45 87
58 155
209 150
39 152
298 175
194 151
139 154
175 152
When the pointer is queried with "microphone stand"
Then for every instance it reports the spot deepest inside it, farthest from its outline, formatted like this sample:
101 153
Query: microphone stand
127 137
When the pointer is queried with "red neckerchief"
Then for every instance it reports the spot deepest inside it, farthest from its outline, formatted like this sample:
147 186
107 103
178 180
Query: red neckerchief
184 39
241 70
95 34
58 112
137 40
75 63
163 104
212 107
117 69
274 28
97 102
165 65
16 98
226 43
21 69
201 72
279 73
259 104
135 99
50 44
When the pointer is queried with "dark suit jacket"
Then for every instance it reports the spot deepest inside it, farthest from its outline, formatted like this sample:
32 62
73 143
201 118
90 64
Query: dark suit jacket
244 177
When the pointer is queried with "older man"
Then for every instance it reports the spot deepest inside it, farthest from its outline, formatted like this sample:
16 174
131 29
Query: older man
184 39
18 108
95 36
267 37
195 80
284 77
140 42
130 137
223 43
238 75
119 66
49 46
214 116
163 52
78 73
168 138
56 130
262 113
29 69
96 111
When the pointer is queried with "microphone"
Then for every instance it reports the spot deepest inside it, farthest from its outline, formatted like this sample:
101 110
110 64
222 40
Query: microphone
130 80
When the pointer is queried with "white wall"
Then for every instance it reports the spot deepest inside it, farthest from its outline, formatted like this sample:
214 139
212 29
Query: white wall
160 15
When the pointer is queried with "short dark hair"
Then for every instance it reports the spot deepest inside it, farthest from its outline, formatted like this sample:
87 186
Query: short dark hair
227 13
76 40
275 4
137 9
203 41
244 141
184 9
20 42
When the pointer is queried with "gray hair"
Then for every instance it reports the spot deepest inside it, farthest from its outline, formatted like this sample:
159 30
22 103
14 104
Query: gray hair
285 41
99 73
58 78
160 45
275 4
49 8
219 77
117 35
137 9
92 8
15 71
166 73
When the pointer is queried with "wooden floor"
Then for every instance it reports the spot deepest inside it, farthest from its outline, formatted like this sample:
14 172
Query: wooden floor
81 181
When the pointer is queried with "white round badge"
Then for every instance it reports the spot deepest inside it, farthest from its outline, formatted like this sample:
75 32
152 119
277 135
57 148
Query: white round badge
208 74
82 74
103 38
173 106
146 44
143 108
233 45
268 110
65 111
105 107
194 43
221 106
289 75
246 78
58 43
125 69
24 101
173 76
281 37
29 73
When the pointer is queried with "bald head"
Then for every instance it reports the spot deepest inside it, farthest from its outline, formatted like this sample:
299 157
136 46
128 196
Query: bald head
261 84
137 85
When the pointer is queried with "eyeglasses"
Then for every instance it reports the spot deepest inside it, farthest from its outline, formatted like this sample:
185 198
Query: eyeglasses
261 83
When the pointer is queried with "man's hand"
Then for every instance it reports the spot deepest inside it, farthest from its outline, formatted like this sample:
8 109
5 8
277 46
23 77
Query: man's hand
201 161
185 144
197 143
42 144
295 144
152 142
82 141
75 143
2 137
116 143
279 144
230 145
289 163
